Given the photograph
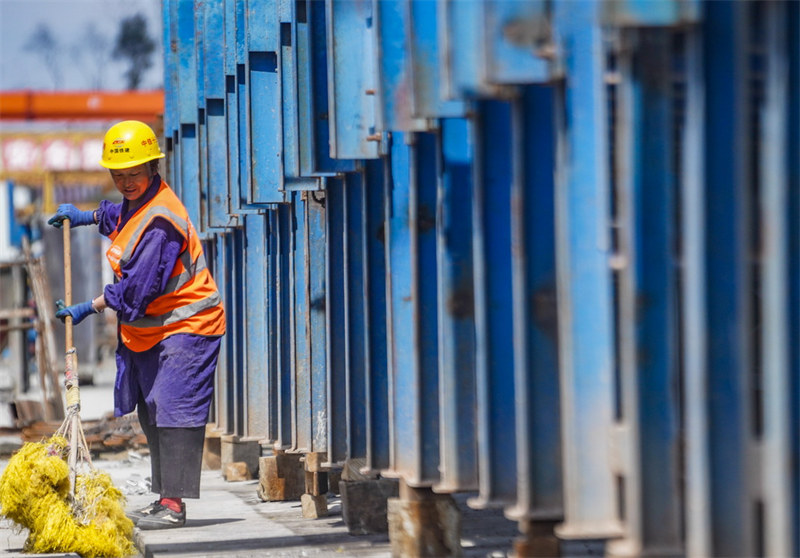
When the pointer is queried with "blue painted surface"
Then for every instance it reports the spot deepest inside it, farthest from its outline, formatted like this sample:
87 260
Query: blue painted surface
266 154
426 72
728 413
190 171
301 361
494 350
255 320
377 389
316 265
355 315
283 326
272 339
793 206
586 333
539 462
631 283
413 353
654 296
653 12
217 205
456 314
351 81
187 82
336 381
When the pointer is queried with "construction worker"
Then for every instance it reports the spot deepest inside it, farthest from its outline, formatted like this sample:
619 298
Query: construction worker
170 317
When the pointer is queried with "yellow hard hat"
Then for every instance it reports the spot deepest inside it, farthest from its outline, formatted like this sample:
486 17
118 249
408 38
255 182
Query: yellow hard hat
129 143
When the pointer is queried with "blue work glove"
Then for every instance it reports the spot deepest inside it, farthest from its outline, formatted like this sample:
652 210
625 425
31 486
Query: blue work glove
77 311
76 217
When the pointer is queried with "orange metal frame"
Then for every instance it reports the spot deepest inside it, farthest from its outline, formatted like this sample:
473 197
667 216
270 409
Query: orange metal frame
81 105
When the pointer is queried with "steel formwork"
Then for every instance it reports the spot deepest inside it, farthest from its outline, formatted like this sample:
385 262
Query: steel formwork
545 252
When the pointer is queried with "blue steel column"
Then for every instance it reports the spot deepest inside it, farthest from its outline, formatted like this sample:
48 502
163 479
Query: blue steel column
494 348
586 336
312 88
411 277
793 177
271 341
694 335
301 361
283 326
216 206
456 314
351 85
355 322
377 388
538 426
727 281
235 334
200 110
316 248
187 79
773 142
225 381
647 296
264 102
255 308
335 315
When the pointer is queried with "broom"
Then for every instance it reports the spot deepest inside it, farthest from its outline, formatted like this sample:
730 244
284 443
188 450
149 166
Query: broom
65 511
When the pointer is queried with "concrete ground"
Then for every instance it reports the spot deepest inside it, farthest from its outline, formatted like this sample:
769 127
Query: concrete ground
230 520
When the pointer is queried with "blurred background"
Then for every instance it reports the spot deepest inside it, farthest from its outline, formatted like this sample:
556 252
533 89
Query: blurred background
67 71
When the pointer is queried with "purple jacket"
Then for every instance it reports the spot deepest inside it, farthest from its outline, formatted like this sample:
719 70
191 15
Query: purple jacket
175 378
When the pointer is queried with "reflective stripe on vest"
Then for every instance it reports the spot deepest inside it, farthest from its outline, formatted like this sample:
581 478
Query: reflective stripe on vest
190 302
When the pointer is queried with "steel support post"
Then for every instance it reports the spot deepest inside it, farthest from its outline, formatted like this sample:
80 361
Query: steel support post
793 177
224 385
283 327
456 309
264 102
235 307
774 284
271 341
315 250
411 278
312 91
301 349
376 178
728 279
335 314
647 296
351 100
217 160
694 336
494 346
355 315
586 335
255 309
539 500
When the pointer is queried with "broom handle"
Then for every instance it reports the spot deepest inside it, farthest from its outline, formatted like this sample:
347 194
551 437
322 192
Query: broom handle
72 372
67 282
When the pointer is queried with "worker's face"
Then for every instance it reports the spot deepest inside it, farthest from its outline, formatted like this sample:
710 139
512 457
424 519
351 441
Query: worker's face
132 182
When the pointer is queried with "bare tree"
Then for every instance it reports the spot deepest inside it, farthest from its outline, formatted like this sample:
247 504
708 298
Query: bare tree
43 43
135 45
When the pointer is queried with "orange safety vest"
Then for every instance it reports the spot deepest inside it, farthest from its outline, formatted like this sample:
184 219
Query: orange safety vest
191 302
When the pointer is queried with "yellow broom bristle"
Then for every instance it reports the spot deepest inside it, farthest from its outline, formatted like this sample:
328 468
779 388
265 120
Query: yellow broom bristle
34 493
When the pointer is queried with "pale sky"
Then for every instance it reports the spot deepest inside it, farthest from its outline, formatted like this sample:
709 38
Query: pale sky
79 66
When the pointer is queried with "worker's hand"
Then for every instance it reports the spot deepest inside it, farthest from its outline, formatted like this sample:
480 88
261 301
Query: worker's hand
76 217
77 311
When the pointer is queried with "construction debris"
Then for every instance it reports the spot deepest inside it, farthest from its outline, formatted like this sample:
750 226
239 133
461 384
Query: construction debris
109 434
